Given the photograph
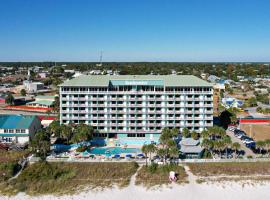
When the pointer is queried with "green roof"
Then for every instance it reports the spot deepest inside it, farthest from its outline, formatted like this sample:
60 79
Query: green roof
15 121
167 80
45 97
42 102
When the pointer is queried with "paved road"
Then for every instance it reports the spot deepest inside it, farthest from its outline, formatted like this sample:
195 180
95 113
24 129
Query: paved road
248 152
18 112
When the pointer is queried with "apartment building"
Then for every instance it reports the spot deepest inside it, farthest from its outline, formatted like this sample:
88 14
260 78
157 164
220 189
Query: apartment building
137 106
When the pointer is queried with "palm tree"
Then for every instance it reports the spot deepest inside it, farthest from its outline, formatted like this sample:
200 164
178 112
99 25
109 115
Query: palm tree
267 146
66 132
82 132
54 128
185 133
41 144
174 153
145 150
205 134
235 147
162 153
9 99
261 145
208 144
227 142
151 149
195 135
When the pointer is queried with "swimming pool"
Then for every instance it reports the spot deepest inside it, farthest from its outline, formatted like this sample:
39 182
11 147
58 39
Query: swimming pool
113 150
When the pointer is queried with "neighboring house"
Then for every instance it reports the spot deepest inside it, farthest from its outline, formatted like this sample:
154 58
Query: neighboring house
42 75
18 128
33 87
231 102
213 78
42 101
190 148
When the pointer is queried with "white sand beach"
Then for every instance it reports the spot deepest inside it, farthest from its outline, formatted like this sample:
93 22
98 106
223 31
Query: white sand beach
192 191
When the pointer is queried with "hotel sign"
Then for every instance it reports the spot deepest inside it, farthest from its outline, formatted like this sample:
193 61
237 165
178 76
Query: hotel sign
138 82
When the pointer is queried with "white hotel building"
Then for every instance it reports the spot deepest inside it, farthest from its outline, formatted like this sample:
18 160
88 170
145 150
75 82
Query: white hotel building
137 106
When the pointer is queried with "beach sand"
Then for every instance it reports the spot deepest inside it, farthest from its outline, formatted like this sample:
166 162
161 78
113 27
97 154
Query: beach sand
191 191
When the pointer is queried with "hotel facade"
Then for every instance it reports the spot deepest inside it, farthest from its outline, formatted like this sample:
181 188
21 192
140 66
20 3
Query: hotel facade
137 106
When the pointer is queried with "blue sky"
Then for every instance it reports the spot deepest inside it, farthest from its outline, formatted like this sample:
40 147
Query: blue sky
135 30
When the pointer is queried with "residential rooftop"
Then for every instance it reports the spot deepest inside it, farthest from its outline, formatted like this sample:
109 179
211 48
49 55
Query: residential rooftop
15 121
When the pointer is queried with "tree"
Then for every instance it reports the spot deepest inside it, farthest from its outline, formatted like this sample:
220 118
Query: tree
208 145
195 135
82 132
252 102
9 99
145 150
205 134
41 144
227 142
56 104
174 152
23 92
54 129
236 147
185 133
168 143
259 109
66 132
162 154
260 145
152 149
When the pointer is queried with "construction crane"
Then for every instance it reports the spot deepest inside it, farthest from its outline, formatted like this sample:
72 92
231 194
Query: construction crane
100 60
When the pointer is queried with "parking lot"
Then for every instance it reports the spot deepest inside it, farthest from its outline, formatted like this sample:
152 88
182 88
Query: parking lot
246 142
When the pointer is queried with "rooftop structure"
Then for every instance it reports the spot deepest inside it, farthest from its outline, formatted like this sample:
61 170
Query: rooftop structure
190 148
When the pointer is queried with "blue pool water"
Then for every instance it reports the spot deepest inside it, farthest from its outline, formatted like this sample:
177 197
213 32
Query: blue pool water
113 150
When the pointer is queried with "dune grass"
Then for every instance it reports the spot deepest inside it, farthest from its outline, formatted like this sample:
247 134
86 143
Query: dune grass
69 178
230 169
9 163
155 175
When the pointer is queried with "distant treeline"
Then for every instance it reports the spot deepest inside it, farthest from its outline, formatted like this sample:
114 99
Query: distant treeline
228 70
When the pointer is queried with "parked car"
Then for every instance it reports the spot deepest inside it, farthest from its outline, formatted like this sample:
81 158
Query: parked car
251 145
248 141
231 128
240 135
244 137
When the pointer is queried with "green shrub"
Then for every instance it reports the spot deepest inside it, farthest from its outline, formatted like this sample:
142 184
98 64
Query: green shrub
153 167
81 148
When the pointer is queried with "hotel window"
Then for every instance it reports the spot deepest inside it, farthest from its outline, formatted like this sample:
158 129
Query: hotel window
18 130
140 135
131 135
11 131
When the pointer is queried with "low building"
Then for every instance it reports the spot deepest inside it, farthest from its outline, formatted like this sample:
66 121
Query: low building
231 102
42 101
18 128
33 87
190 148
